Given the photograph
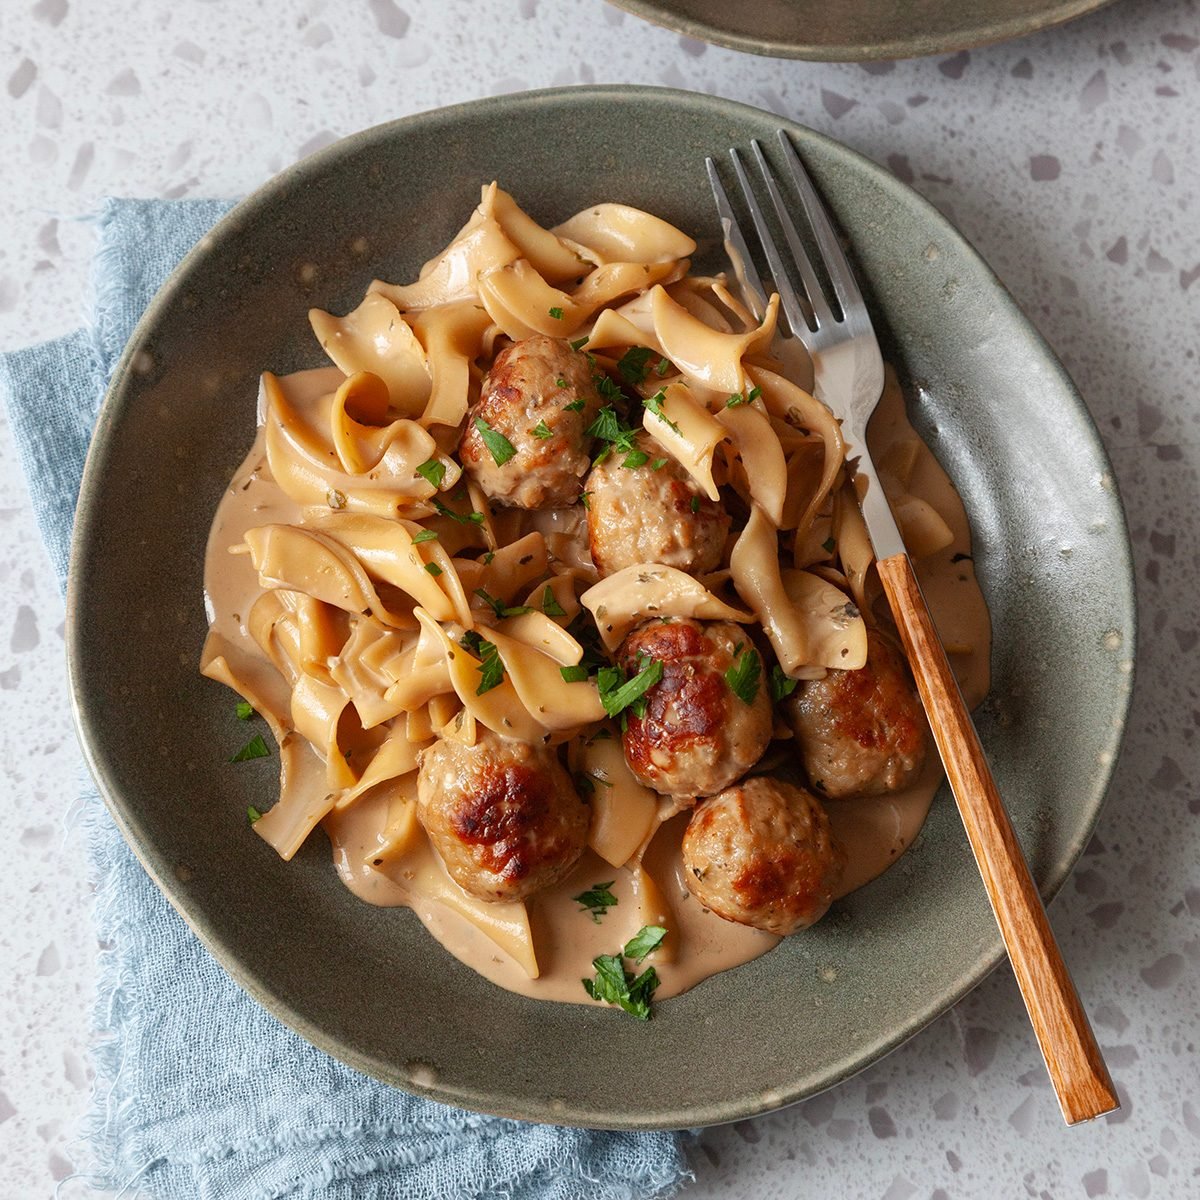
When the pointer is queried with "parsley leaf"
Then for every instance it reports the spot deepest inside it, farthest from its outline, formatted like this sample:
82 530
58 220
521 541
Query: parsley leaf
556 313
632 363
663 367
573 674
254 748
609 427
244 710
695 504
550 604
753 395
734 400
576 405
615 985
252 814
617 693
433 472
578 343
433 569
560 382
491 669
471 518
542 430
499 447
585 500
658 464
426 535
596 900
655 405
744 674
781 685
605 386
828 544
645 941
499 607
635 458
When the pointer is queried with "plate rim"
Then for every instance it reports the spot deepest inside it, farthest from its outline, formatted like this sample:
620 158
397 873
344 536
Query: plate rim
105 770
920 44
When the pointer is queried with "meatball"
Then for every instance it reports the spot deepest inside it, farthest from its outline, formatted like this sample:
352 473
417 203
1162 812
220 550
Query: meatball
654 513
696 735
503 815
528 389
861 733
762 854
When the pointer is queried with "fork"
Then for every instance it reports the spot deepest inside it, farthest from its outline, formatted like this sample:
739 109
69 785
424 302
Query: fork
848 375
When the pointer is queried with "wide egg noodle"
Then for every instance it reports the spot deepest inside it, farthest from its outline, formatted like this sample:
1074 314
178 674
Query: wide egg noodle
453 338
624 811
689 432
522 303
761 455
647 591
620 233
375 337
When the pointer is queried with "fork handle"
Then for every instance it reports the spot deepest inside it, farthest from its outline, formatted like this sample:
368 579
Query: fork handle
1073 1058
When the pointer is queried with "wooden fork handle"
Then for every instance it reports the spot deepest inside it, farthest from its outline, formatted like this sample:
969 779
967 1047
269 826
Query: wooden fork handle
1073 1058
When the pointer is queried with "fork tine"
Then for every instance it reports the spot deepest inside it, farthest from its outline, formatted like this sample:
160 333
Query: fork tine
783 284
735 243
816 297
840 273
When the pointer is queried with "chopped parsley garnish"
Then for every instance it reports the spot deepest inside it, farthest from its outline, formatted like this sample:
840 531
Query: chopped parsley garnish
737 398
585 500
618 693
573 674
605 386
658 464
542 430
635 458
596 900
632 364
426 535
695 504
491 669
487 558
500 608
578 343
827 545
615 985
556 313
585 785
560 382
244 710
576 405
608 427
433 569
781 685
654 404
550 604
471 518
254 748
433 472
645 941
744 674
663 367
252 814
499 447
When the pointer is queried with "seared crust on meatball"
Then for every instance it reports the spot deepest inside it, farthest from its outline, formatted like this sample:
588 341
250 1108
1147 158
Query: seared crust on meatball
761 853
696 736
504 815
529 387
861 733
644 515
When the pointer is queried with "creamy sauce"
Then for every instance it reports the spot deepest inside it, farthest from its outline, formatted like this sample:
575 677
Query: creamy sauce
875 831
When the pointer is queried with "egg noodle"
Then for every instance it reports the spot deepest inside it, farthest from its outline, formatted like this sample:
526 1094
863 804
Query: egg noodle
382 601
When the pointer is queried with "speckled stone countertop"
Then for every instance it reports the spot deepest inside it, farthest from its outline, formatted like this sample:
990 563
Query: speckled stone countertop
1071 159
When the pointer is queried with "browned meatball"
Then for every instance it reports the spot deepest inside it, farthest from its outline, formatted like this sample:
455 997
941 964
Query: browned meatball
861 733
696 736
529 387
652 514
503 815
762 854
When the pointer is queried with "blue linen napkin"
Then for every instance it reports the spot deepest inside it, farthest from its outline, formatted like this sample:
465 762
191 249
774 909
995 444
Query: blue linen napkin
201 1094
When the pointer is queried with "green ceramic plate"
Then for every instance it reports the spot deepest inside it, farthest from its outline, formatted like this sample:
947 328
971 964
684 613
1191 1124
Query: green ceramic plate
857 29
369 985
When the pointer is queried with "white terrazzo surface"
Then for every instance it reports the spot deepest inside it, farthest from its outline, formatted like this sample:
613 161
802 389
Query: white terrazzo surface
1070 159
